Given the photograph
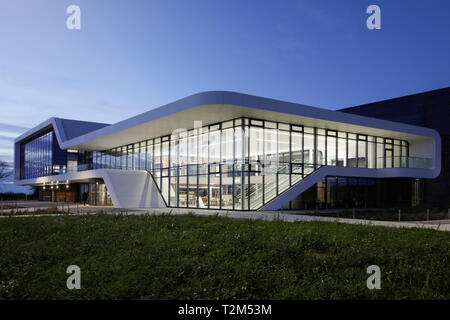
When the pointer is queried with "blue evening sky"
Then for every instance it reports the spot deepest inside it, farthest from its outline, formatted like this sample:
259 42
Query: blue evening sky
133 55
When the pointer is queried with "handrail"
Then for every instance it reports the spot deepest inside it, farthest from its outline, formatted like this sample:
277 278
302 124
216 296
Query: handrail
303 177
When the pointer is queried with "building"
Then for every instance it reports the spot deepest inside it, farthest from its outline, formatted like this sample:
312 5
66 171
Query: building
230 151
428 109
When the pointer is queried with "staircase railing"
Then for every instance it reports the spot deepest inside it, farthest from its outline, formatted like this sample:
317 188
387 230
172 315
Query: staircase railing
274 185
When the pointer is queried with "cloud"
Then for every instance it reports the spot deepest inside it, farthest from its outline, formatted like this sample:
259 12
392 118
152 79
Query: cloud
4 127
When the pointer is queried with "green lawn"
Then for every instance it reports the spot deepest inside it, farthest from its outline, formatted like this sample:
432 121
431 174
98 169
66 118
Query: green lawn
188 257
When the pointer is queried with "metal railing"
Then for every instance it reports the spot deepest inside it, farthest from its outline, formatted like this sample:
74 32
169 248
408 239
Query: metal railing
404 162
382 162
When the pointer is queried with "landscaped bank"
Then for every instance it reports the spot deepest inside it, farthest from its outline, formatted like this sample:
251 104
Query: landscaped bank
189 257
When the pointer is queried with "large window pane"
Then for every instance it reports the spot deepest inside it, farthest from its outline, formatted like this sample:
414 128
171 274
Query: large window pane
227 187
371 156
362 154
183 150
193 198
308 151
182 191
238 145
331 151
136 156
193 149
203 191
165 154
203 152
214 146
256 147
227 145
342 152
297 154
352 159
174 150
396 156
214 191
320 152
238 187
284 147
149 165
255 190
380 155
270 162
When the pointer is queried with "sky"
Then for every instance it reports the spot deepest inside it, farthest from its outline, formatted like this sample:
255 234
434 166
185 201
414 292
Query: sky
130 56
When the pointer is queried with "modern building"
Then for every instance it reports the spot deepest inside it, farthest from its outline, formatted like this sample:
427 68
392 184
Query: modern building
428 109
231 151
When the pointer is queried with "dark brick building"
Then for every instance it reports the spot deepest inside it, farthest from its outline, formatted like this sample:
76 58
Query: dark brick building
428 109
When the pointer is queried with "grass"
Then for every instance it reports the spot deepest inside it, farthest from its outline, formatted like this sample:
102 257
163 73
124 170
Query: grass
30 211
189 257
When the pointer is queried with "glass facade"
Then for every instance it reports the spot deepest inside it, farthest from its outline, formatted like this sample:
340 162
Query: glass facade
42 157
38 157
244 163
350 192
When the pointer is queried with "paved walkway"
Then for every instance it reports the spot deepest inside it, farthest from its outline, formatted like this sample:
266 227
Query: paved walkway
34 206
443 225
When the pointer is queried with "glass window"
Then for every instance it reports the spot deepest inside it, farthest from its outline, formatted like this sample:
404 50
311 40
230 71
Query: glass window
214 191
165 154
331 151
320 154
227 187
342 152
203 152
149 165
192 194
214 146
284 155
157 157
238 187
183 150
371 156
136 156
182 191
227 145
396 156
296 147
193 149
203 191
256 147
308 151
352 159
174 149
270 162
239 145
255 191
362 154
380 155
130 154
